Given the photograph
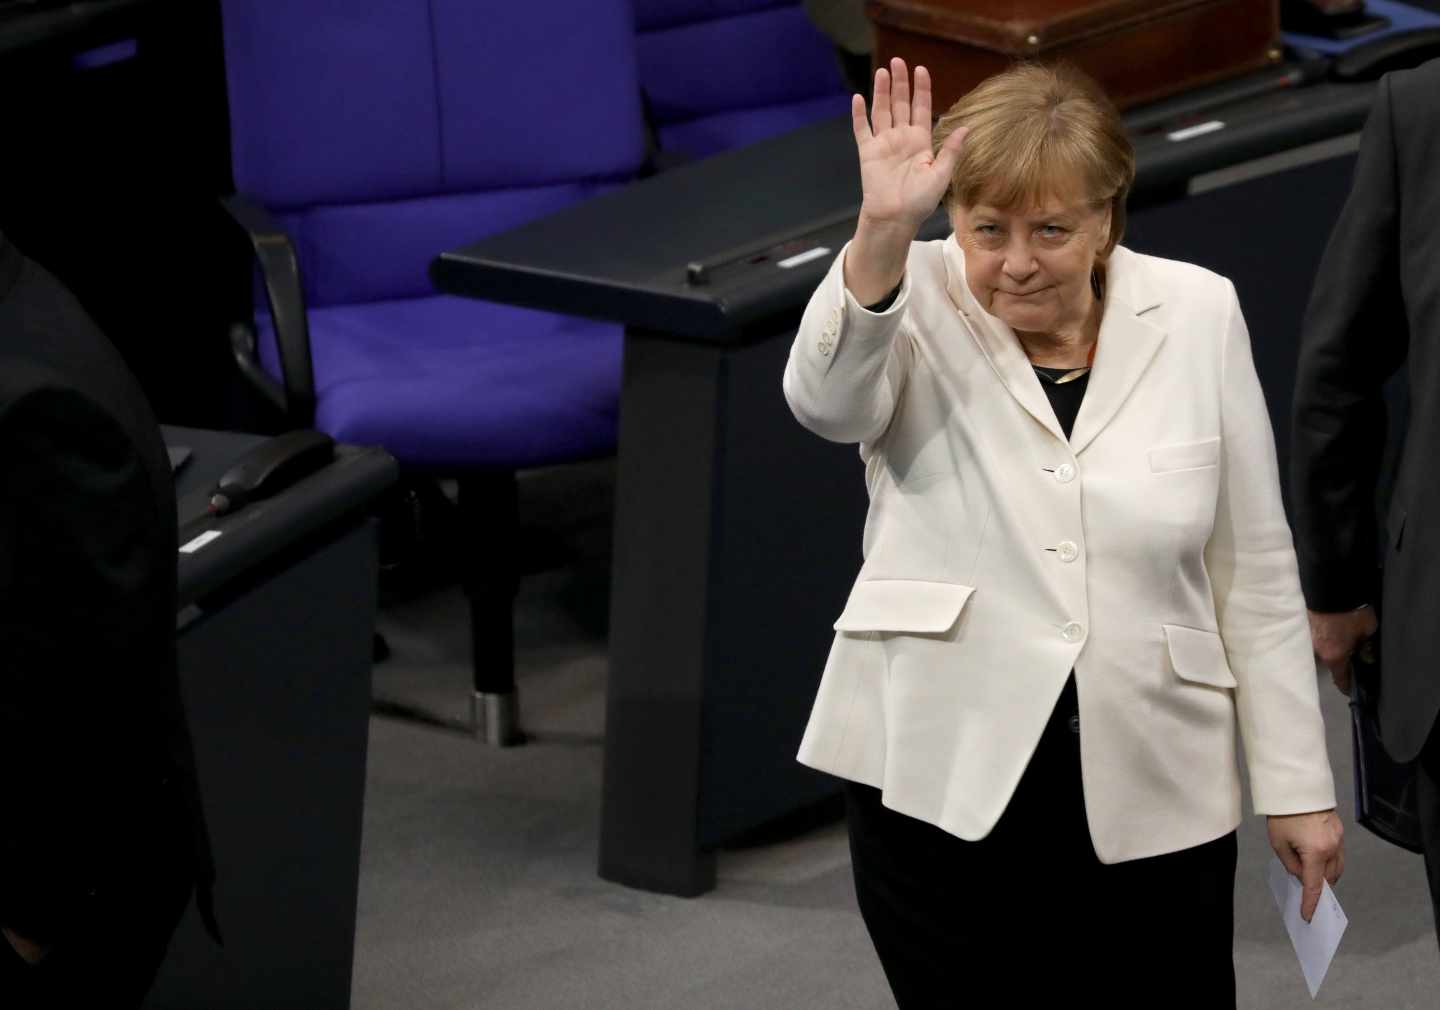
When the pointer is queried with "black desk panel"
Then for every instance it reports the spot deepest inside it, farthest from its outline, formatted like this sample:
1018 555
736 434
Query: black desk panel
274 645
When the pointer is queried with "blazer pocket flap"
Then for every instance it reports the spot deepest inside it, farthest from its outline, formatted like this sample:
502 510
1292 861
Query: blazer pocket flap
1185 455
1199 656
903 605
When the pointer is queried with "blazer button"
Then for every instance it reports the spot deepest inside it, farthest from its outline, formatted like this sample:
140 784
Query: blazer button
1072 632
1074 724
1065 473
1067 550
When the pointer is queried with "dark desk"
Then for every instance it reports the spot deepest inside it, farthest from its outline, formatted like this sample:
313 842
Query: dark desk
274 639
743 212
737 532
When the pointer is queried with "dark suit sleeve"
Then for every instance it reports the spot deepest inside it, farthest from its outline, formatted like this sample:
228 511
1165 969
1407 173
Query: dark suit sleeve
79 543
1354 337
79 546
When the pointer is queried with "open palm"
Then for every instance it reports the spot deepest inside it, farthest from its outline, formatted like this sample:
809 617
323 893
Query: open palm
901 178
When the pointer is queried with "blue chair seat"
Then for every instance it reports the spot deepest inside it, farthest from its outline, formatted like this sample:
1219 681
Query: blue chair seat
451 383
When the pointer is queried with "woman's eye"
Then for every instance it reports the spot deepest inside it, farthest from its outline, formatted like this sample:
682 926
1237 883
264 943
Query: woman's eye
1051 231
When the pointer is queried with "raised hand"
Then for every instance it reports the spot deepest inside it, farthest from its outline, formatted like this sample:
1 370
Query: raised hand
901 178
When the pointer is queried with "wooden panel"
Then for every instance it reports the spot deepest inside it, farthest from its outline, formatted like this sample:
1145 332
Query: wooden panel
1175 47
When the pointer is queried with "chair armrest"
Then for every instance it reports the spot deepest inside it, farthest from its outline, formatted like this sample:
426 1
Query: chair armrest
280 274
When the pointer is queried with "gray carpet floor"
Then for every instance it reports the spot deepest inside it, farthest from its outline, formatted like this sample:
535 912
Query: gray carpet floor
478 885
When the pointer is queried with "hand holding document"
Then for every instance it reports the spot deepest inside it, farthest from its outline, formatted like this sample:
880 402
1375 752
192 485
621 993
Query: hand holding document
1316 941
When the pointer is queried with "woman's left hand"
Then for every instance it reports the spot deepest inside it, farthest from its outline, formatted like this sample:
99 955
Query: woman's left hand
1312 847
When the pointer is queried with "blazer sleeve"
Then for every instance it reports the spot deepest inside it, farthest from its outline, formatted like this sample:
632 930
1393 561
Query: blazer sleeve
1251 561
847 366
1354 337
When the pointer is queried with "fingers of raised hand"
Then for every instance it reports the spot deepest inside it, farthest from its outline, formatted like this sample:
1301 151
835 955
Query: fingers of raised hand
891 103
858 121
949 152
920 106
880 103
899 92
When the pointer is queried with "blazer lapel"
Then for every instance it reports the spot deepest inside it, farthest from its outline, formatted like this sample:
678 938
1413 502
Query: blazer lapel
998 343
1128 341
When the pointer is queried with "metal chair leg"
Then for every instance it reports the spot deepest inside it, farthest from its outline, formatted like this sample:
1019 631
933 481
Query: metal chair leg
495 719
490 522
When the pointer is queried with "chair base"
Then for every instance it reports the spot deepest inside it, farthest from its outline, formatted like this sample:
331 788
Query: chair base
495 719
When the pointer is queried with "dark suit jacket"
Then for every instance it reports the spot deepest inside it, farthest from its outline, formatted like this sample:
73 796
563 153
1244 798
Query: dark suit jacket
1376 303
92 732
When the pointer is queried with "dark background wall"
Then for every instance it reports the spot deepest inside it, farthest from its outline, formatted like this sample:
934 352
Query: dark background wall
109 177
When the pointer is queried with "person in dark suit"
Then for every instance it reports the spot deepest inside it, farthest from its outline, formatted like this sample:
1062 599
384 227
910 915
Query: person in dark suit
102 840
1375 306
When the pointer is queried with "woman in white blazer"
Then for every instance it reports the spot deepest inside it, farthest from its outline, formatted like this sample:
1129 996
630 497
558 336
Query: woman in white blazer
1078 589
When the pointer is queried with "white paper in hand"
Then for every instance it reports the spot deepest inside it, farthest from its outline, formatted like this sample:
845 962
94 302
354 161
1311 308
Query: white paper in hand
1315 941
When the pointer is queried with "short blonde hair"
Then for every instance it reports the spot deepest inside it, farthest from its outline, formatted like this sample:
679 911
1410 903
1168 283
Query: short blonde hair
1038 130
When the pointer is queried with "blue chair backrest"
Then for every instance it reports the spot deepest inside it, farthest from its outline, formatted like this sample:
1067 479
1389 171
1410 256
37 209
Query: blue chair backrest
703 57
382 132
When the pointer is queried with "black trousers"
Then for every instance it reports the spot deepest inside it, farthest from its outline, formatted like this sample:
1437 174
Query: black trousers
1427 795
1028 916
109 959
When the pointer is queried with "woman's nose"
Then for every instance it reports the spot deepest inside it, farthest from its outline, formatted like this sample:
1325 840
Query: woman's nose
1019 260
1019 267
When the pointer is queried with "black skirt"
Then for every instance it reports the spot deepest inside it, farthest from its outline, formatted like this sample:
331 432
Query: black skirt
1029 916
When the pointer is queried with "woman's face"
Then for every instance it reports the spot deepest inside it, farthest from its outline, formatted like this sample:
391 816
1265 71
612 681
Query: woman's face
1031 268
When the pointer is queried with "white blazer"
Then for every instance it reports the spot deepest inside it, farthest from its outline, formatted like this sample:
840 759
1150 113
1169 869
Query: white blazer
1149 552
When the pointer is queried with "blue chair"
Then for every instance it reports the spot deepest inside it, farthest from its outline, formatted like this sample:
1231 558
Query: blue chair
718 74
368 136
